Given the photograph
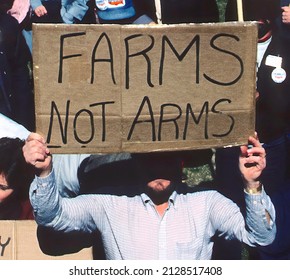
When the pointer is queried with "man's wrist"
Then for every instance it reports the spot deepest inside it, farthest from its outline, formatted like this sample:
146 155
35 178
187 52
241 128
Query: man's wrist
254 187
44 172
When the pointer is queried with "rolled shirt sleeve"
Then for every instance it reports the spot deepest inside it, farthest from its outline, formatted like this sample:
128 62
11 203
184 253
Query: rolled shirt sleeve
253 229
257 207
63 214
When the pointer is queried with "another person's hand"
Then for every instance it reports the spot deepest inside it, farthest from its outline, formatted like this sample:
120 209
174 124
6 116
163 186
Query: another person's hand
40 11
286 14
252 162
37 154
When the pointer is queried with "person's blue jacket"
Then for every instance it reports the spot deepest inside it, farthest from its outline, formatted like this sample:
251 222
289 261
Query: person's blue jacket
71 10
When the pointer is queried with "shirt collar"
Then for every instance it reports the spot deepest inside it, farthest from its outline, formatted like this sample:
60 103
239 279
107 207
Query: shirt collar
172 199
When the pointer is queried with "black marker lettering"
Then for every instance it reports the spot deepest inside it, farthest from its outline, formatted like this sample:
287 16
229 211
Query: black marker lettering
103 104
91 122
109 60
143 53
171 119
146 100
232 123
62 57
241 65
181 56
189 112
63 128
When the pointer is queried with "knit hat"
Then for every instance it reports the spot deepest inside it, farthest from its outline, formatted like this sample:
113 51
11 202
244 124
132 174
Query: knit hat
115 9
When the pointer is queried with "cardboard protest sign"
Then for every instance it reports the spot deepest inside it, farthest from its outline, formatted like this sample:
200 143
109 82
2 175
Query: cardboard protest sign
139 88
18 241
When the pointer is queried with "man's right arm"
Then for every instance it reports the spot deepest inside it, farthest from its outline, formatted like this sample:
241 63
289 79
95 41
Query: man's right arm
50 208
63 214
37 155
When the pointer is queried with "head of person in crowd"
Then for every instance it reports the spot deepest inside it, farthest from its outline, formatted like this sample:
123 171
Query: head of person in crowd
15 177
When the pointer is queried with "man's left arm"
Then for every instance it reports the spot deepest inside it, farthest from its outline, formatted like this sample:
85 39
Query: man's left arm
260 212
260 216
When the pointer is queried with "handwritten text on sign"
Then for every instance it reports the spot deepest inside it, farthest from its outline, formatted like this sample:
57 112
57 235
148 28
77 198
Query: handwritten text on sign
143 88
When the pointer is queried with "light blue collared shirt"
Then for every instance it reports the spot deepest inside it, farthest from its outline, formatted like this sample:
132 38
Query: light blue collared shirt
131 228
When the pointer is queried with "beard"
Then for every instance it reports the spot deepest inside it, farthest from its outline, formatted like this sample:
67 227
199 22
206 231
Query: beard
159 190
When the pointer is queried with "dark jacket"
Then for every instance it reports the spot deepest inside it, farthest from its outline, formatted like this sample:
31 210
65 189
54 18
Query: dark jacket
16 93
273 104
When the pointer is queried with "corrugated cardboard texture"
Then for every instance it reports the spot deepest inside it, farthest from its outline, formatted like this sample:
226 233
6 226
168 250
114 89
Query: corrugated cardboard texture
18 241
134 88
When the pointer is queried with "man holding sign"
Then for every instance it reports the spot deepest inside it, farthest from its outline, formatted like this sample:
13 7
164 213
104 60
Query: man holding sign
161 218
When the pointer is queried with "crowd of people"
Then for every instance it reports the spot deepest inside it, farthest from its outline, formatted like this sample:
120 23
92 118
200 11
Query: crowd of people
137 206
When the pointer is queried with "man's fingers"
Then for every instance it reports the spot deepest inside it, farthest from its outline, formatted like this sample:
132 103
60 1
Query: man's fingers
254 148
254 160
257 151
243 151
35 149
255 141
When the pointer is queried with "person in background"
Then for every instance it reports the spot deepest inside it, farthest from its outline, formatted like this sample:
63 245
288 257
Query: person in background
272 98
16 87
59 12
16 175
56 11
46 11
272 111
15 179
21 11
283 25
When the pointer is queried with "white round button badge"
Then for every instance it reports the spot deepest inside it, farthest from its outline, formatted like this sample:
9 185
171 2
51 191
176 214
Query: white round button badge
278 75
